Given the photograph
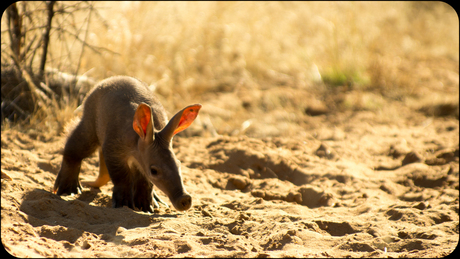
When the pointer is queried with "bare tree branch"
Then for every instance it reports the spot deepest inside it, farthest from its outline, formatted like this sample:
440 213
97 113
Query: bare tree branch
46 36
14 29
32 27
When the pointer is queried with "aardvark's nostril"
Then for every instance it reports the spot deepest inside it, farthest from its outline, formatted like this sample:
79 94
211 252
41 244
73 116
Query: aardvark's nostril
184 202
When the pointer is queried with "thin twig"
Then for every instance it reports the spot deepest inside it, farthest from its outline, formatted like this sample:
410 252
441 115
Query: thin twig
93 48
84 40
27 48
7 103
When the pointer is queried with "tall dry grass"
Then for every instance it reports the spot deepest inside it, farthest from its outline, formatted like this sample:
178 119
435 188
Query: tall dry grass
192 50
213 44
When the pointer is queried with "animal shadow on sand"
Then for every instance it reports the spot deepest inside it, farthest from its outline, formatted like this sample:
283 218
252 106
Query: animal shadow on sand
62 219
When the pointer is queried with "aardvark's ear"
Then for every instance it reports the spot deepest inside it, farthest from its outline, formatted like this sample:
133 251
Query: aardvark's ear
143 122
180 121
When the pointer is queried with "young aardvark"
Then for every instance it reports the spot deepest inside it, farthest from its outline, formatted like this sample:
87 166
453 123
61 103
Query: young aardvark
128 125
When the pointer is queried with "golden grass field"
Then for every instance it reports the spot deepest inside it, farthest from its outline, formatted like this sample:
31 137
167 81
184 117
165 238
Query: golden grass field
191 48
194 50
289 51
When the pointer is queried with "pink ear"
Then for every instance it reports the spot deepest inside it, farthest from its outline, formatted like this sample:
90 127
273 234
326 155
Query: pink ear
188 116
141 120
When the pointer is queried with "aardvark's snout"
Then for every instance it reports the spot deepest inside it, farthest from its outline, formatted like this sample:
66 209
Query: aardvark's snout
183 202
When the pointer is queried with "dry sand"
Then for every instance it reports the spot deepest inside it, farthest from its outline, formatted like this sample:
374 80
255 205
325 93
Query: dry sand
362 188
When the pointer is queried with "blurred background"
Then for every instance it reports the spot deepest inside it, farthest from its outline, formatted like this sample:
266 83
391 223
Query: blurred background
259 68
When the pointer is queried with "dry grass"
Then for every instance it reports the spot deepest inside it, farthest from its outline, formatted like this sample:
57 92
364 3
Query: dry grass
197 51
211 44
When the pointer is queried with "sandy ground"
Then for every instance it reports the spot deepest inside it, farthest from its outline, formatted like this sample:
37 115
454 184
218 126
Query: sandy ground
360 188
